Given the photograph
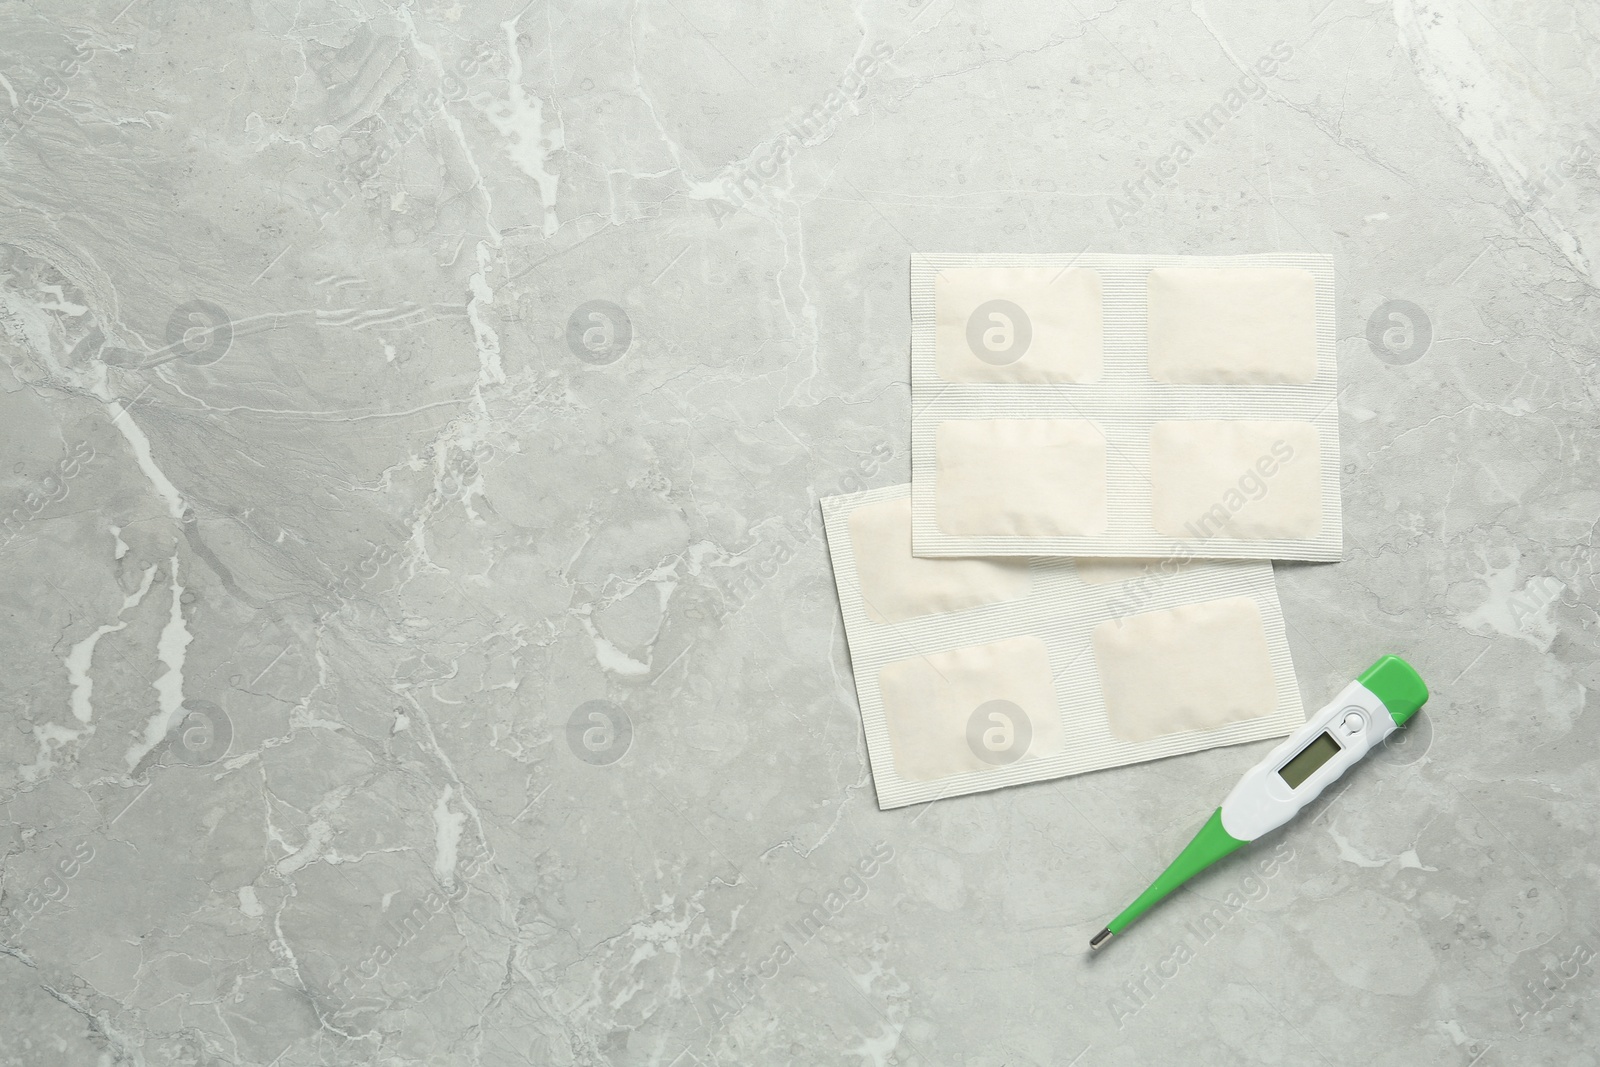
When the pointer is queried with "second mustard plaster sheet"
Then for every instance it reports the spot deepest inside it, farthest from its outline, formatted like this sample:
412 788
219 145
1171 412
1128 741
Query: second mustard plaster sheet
974 674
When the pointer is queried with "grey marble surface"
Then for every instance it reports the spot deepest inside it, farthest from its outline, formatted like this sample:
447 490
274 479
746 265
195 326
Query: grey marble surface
420 640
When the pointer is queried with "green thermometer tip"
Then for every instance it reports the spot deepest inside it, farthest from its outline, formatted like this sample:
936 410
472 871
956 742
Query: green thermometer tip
1209 845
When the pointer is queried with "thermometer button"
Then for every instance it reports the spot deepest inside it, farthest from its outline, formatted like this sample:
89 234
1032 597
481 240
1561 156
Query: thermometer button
1353 721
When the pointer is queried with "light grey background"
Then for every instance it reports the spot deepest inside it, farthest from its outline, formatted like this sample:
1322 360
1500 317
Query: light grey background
332 503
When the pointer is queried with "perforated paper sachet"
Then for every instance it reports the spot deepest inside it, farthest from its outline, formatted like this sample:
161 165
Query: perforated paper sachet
973 674
1125 406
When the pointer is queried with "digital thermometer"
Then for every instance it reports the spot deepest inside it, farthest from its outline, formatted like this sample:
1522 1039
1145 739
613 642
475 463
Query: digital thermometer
1294 774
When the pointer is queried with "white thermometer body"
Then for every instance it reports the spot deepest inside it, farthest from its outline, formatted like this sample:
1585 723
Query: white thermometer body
1307 762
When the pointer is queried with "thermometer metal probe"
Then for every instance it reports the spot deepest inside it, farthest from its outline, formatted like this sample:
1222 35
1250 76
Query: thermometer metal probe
1292 775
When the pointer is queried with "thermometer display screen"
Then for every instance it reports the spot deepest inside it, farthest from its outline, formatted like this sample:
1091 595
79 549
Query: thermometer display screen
1305 764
